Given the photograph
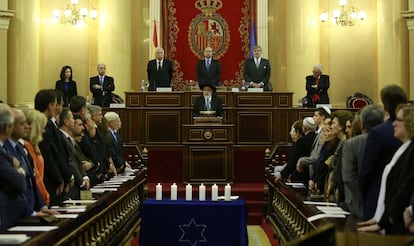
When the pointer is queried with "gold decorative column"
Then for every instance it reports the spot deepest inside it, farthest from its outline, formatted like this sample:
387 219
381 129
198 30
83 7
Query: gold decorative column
302 43
140 41
5 16
409 17
113 41
23 52
392 35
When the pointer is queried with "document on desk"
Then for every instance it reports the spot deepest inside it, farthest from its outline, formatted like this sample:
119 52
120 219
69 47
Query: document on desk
70 210
102 190
79 201
320 216
320 203
66 216
296 185
33 228
107 186
13 239
332 210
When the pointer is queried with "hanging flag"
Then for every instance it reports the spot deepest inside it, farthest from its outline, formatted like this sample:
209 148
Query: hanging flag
154 39
252 40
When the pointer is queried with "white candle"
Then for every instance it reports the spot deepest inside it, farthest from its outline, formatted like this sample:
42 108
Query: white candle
158 192
173 192
214 192
202 193
227 192
188 192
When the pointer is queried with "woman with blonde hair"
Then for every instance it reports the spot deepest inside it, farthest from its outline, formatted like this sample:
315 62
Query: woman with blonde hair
37 122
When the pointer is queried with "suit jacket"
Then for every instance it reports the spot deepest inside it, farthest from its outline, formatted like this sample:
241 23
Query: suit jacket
67 95
13 205
322 89
212 76
160 78
32 194
352 152
257 75
379 149
102 97
399 189
77 170
55 154
116 147
200 105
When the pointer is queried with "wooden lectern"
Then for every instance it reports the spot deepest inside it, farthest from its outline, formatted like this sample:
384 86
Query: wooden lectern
208 154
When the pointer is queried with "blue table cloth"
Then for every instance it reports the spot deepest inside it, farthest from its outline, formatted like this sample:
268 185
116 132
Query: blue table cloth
194 223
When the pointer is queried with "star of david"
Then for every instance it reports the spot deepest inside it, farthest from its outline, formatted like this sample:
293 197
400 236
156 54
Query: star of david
192 233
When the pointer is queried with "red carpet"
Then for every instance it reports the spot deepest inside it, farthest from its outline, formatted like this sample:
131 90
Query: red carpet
165 166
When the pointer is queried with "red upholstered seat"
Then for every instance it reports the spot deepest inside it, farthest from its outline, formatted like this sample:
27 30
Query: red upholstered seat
358 102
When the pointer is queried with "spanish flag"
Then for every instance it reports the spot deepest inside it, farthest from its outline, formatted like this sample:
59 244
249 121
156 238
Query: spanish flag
154 39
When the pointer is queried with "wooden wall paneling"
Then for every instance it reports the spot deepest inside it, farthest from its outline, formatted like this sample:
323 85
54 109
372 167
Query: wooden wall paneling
254 127
163 126
135 126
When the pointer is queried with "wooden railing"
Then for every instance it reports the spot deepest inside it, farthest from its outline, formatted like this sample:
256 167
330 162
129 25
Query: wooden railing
114 219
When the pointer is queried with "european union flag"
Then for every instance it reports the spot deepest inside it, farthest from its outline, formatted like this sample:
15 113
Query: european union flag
252 40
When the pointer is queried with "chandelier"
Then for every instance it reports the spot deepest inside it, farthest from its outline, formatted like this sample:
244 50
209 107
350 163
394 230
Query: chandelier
348 15
73 14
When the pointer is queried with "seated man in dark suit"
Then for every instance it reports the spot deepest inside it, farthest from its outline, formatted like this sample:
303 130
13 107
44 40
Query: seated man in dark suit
102 87
317 86
159 71
209 69
257 70
208 101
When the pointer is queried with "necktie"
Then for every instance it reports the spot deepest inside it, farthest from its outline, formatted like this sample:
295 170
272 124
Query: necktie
208 105
23 157
101 80
257 63
115 136
208 64
159 66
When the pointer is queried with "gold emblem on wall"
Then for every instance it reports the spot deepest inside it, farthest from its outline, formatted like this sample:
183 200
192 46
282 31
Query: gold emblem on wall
208 29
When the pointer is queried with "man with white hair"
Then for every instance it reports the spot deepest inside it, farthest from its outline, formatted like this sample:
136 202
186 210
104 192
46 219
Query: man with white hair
115 145
317 86
159 71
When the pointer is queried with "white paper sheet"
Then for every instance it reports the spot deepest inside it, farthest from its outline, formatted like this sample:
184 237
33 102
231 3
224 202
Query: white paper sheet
33 228
332 210
66 216
320 203
320 216
13 239
79 201
70 210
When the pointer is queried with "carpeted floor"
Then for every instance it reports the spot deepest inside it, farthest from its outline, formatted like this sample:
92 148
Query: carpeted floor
257 237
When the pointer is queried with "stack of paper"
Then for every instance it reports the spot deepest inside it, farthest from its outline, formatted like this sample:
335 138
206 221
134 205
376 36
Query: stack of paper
13 239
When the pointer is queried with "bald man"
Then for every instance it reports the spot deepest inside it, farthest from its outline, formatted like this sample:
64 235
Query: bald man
208 70
102 87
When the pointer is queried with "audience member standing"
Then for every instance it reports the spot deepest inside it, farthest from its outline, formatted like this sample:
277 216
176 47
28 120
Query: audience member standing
37 122
379 149
102 87
12 178
66 85
352 149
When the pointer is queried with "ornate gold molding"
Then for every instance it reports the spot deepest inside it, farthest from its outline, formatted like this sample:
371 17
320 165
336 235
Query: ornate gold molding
409 17
5 17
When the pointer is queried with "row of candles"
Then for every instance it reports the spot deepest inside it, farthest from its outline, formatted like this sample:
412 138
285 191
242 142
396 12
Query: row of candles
189 192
